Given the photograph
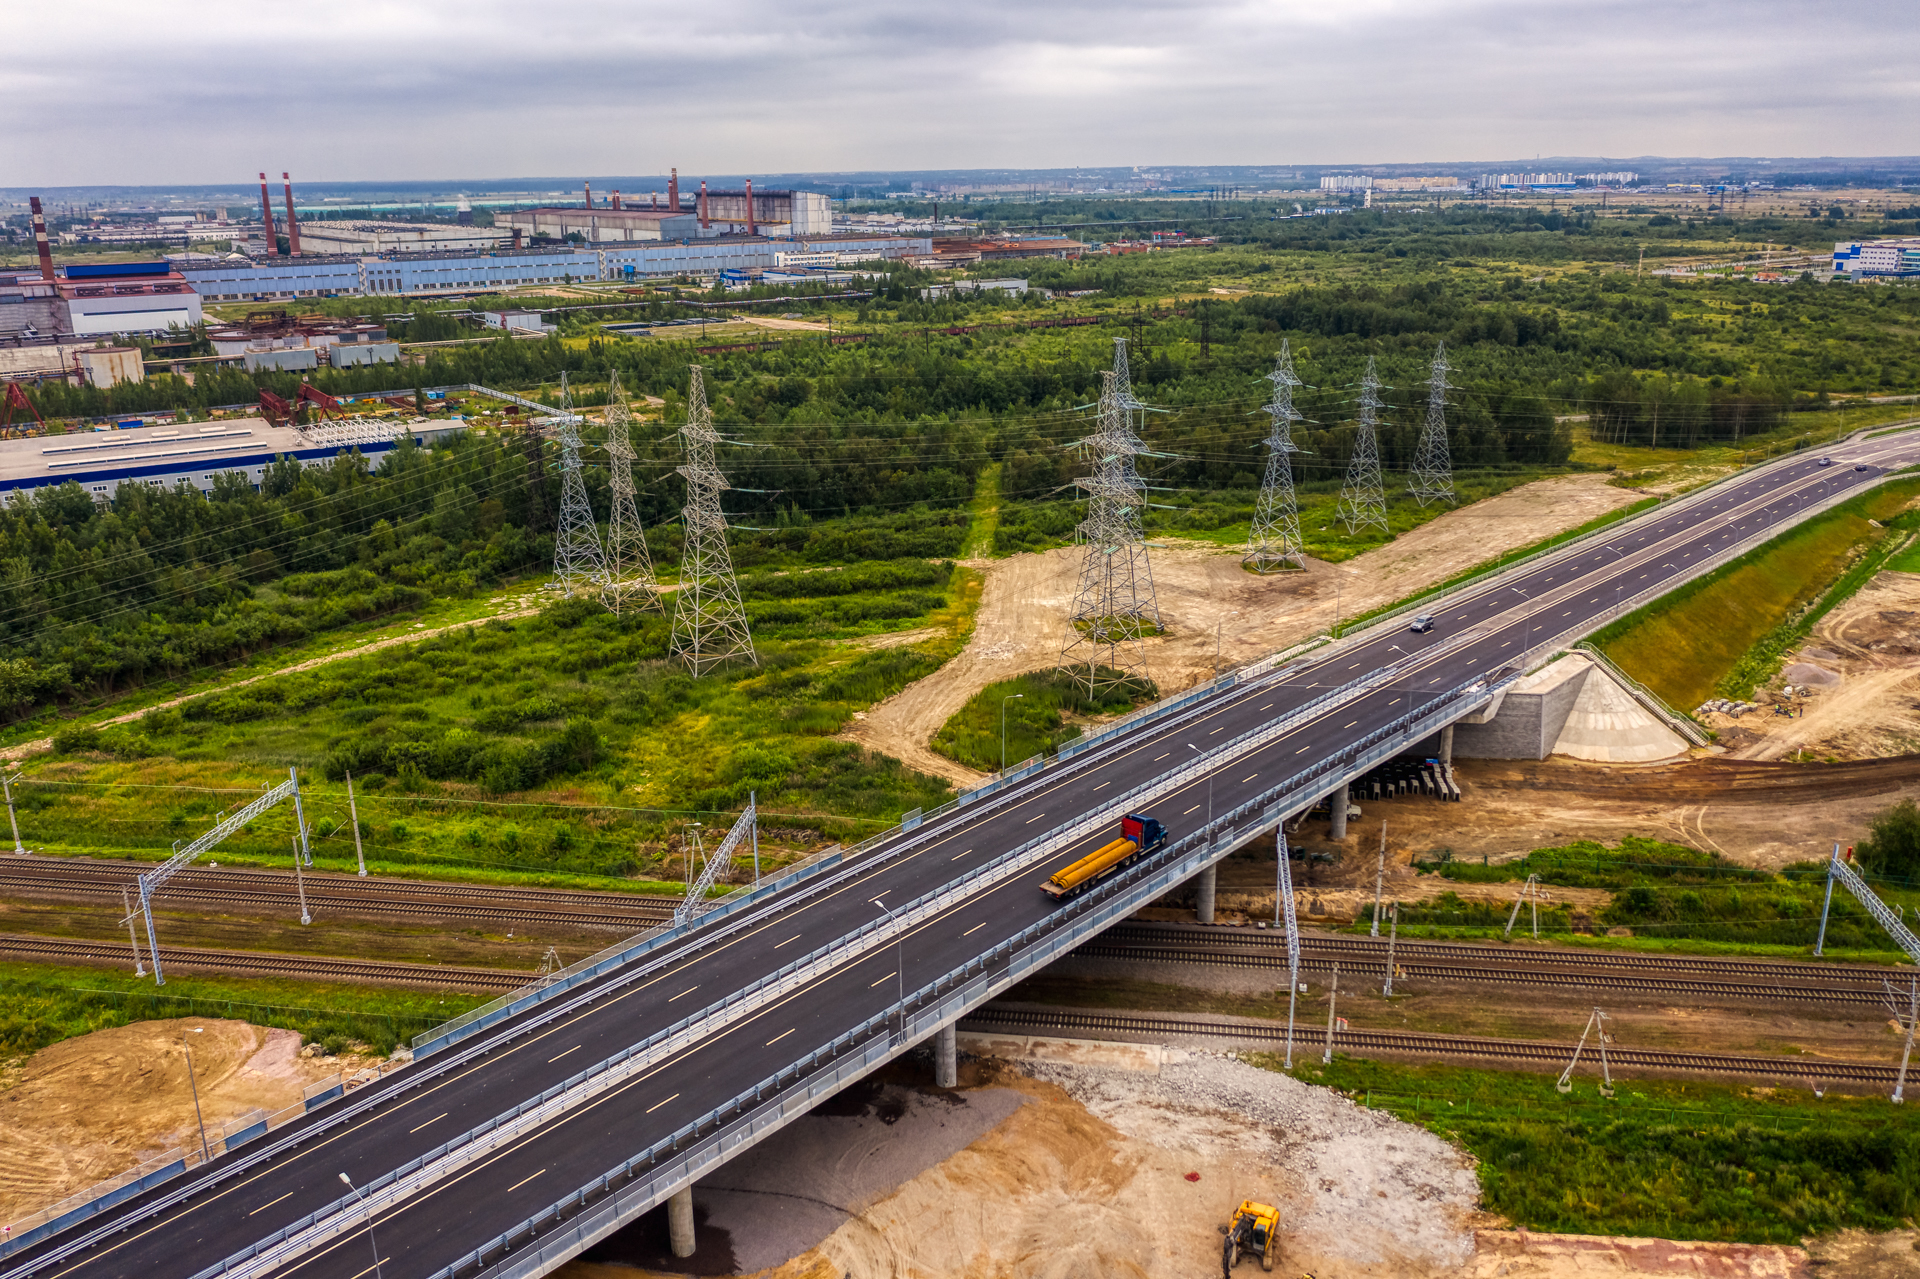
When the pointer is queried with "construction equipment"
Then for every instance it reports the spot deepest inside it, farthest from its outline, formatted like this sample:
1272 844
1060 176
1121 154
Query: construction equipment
276 410
1253 1232
323 403
17 399
1137 835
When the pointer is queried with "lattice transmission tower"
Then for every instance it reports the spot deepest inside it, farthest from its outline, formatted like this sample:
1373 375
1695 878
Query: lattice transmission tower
1363 502
709 621
1274 540
630 583
1433 462
579 566
1115 603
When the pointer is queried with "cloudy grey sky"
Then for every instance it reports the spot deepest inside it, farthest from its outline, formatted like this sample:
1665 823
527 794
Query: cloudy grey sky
133 91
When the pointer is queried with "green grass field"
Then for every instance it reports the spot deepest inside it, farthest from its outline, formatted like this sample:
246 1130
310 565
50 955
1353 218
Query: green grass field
1663 1159
1684 644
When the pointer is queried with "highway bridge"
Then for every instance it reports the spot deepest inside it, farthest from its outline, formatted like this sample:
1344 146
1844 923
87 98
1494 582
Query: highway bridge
507 1151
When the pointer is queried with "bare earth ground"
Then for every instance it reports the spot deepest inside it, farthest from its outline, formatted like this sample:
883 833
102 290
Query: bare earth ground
1860 669
1110 1171
86 1108
1023 611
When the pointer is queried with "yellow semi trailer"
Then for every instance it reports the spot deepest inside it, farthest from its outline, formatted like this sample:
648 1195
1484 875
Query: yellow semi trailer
1138 835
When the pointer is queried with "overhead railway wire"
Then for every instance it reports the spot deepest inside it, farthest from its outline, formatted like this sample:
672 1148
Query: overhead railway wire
16 948
1159 1027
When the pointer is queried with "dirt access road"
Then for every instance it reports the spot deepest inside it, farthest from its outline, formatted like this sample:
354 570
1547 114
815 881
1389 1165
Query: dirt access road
1203 594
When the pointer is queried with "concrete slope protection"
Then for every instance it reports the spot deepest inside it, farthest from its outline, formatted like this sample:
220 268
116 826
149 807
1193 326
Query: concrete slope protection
189 1228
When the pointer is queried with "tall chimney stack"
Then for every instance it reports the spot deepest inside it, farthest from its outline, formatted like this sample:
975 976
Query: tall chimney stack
293 224
673 190
40 240
616 200
751 229
589 195
516 237
266 215
703 204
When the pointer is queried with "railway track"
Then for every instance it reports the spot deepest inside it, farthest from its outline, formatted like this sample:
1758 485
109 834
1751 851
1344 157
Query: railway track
255 891
1702 977
1362 1043
247 963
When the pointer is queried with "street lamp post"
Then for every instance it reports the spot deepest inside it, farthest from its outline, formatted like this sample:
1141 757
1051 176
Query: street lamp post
1010 697
1618 555
1196 750
362 1196
899 960
1525 648
205 1155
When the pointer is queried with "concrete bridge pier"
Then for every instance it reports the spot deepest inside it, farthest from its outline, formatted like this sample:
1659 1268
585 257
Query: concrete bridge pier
1203 907
1338 802
946 1058
680 1221
1446 745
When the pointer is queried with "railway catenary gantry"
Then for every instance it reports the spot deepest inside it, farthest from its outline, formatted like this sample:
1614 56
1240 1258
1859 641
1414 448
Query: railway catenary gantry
614 1140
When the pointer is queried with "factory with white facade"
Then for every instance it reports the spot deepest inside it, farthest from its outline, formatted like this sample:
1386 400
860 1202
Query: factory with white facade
1882 259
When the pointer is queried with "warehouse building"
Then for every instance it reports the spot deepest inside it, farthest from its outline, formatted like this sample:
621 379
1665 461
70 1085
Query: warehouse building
98 300
1881 258
101 461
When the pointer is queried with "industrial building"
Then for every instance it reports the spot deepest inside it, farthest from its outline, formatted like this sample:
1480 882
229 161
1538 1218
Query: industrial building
411 274
359 236
1877 258
97 300
101 461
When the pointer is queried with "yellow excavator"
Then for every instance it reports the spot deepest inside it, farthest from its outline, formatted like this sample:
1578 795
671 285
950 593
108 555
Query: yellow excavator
1253 1232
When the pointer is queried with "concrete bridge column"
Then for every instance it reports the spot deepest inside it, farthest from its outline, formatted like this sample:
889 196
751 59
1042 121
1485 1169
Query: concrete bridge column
1338 801
1446 745
1204 909
680 1221
946 1059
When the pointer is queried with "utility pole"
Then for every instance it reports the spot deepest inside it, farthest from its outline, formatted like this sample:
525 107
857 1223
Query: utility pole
1273 539
709 620
205 1155
299 883
353 815
1379 877
1913 1016
133 938
629 564
19 850
1010 697
1393 936
1363 502
1333 997
578 563
1432 479
1115 600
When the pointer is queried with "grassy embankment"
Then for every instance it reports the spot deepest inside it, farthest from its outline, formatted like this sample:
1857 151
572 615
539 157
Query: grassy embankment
42 1004
1036 706
1686 645
1672 898
1664 1159
449 741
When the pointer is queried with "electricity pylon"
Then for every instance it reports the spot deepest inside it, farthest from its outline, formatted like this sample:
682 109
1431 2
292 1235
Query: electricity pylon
1273 542
1432 462
1363 503
1115 602
629 582
709 621
578 564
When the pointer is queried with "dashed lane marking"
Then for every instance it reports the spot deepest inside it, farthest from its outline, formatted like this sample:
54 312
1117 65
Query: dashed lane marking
783 1034
574 1049
870 985
436 1119
656 1105
689 990
515 1186
271 1202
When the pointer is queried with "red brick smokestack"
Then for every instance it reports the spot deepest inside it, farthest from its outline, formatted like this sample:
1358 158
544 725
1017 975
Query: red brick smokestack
516 237
266 214
616 200
673 190
293 225
40 240
751 230
703 203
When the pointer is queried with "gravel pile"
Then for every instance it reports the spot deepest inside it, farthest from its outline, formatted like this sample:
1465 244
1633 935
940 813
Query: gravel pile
1366 1189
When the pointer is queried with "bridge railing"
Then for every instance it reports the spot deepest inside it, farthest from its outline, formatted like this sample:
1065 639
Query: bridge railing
640 1183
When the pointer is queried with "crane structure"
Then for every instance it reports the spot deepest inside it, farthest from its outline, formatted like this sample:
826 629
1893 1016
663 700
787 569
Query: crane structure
154 880
1115 604
17 399
1363 502
630 583
1273 540
709 620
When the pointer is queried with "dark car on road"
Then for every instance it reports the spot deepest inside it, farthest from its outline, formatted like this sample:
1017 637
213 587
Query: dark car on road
1421 624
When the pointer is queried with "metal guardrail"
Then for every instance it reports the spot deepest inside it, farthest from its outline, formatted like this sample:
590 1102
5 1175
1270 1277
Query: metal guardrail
750 1115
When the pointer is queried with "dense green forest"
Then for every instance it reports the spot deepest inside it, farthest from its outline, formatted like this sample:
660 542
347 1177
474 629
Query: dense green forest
868 449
